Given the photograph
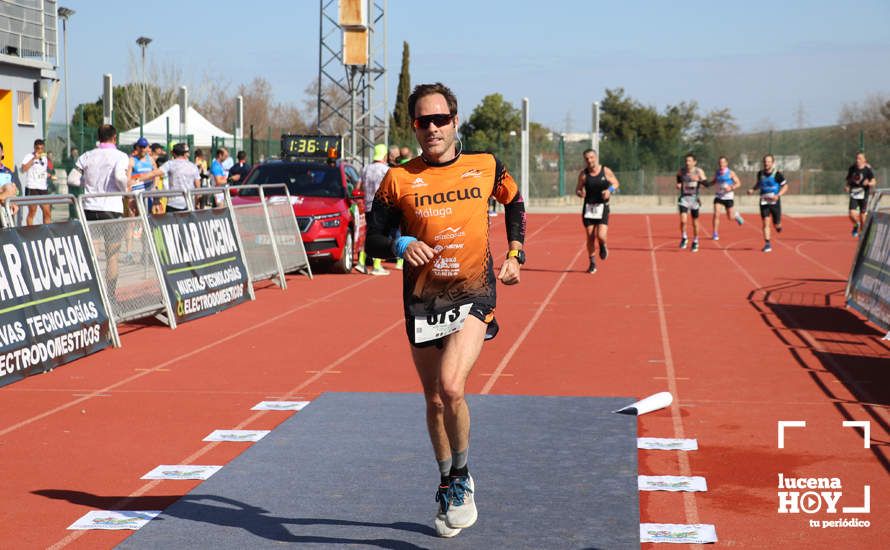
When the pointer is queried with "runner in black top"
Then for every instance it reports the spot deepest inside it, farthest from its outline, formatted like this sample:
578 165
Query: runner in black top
689 179
860 179
596 183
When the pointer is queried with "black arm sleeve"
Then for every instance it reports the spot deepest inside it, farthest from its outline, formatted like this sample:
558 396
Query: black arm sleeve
514 212
383 221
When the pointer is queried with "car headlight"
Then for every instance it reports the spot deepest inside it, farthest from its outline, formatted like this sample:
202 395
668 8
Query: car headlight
329 220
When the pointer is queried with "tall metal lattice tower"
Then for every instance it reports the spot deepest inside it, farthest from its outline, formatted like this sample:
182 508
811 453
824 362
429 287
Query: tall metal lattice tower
352 84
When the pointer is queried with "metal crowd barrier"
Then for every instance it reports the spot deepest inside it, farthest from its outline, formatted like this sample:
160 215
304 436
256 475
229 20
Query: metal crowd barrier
255 231
283 221
101 274
125 256
875 199
123 250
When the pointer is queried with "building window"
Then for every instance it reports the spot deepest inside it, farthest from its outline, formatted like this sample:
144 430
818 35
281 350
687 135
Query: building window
24 107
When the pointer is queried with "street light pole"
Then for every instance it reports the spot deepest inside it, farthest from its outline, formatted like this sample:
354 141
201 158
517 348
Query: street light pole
143 42
65 13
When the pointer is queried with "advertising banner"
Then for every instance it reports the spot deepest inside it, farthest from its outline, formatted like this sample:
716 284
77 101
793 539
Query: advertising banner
201 261
869 288
51 309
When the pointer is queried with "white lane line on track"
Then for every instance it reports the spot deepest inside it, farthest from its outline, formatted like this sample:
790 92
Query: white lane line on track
498 372
690 508
178 358
796 249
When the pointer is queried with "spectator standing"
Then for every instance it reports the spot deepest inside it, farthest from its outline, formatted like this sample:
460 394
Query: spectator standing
159 156
238 171
51 173
181 174
73 180
228 163
104 170
393 158
372 175
201 163
34 174
405 155
8 190
218 173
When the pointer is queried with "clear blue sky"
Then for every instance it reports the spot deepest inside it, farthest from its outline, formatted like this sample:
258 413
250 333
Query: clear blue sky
761 59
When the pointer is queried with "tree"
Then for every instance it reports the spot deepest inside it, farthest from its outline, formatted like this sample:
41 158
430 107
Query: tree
712 135
400 130
637 135
260 109
127 107
490 124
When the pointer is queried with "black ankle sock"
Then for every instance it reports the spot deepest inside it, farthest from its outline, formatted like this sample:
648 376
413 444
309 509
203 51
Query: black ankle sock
459 472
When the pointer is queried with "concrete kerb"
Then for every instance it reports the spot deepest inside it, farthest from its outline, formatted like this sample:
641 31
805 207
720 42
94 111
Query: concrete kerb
802 205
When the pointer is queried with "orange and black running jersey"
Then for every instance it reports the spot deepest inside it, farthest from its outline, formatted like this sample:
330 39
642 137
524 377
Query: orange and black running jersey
445 206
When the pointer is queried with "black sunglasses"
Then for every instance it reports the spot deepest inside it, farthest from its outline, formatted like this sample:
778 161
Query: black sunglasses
439 120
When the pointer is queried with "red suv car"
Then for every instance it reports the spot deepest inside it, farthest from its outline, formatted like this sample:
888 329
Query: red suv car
328 203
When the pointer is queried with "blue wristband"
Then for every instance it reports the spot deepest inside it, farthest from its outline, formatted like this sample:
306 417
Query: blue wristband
611 189
401 245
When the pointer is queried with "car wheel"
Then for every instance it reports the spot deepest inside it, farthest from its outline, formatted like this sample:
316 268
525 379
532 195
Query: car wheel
345 264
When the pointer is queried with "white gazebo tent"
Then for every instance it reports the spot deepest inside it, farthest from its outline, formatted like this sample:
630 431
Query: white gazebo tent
156 130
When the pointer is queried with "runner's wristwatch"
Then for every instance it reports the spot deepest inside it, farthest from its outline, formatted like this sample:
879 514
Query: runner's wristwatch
518 254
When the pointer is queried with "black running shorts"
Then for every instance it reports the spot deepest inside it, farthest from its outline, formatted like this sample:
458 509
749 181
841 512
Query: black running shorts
482 312
602 221
858 204
772 210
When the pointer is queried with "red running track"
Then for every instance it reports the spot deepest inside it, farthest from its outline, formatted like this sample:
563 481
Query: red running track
741 338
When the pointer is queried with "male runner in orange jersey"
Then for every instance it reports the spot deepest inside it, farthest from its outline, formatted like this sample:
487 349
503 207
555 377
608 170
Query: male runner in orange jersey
439 200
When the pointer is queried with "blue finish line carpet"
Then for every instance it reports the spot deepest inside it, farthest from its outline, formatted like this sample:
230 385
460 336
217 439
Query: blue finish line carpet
357 470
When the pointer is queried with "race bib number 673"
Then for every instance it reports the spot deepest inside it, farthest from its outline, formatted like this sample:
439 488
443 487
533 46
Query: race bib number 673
433 327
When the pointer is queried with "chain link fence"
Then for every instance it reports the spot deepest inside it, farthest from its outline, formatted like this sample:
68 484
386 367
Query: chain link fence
814 160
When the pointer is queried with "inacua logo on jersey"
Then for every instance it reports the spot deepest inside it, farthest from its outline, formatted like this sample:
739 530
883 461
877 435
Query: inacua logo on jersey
444 197
448 196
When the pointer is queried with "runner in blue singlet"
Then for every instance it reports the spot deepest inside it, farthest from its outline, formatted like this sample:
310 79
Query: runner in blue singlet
724 195
771 184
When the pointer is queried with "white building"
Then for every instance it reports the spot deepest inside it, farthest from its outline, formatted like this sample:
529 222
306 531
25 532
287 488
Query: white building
28 55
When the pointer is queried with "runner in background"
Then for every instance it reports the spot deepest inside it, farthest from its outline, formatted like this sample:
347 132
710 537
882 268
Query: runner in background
690 178
771 184
372 175
860 180
727 182
596 183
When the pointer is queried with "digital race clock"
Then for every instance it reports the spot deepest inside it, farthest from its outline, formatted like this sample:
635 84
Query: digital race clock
295 145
